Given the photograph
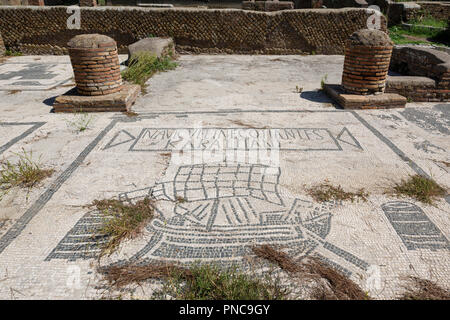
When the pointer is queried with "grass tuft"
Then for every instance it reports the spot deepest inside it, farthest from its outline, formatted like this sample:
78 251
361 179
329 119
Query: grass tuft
420 188
418 35
122 221
421 289
12 53
199 282
130 114
326 192
144 65
209 282
81 123
26 173
323 82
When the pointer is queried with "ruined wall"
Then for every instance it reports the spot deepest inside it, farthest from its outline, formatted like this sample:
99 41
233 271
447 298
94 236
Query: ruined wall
42 30
13 2
438 10
267 5
2 46
417 61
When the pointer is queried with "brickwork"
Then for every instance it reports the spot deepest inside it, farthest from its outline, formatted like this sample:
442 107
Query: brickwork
88 3
2 46
322 31
366 66
438 10
267 5
421 62
36 3
95 64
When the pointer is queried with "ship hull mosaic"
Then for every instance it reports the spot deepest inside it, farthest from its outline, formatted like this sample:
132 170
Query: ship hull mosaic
217 213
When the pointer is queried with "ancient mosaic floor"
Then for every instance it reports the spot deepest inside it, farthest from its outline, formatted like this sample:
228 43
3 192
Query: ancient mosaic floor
213 206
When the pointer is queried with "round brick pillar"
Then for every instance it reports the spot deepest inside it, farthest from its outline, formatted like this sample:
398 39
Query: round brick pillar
366 65
95 64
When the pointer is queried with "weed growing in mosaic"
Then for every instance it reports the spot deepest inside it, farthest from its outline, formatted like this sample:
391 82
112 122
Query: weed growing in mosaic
130 114
420 188
81 123
210 282
180 200
25 173
326 192
422 289
323 81
122 221
199 282
144 65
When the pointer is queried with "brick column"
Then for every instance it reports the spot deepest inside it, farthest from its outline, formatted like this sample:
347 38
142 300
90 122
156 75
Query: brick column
36 3
367 57
95 64
88 3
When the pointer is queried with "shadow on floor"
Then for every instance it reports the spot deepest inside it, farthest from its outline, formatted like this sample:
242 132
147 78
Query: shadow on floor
316 96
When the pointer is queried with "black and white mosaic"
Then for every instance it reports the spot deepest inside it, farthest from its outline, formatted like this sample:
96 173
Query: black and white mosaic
13 132
284 139
415 229
217 212
33 76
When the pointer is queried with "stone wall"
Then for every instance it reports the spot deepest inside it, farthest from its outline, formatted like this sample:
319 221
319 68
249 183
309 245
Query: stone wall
438 10
2 47
43 30
267 5
13 2
399 12
88 3
419 62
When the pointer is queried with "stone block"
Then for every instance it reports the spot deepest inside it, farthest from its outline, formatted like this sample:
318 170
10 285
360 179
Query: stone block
156 46
356 101
120 101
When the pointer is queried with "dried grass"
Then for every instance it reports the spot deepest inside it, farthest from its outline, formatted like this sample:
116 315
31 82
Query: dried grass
422 289
339 286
